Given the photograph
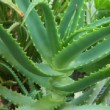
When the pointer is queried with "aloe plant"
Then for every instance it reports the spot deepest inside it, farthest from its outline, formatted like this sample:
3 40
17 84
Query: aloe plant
63 47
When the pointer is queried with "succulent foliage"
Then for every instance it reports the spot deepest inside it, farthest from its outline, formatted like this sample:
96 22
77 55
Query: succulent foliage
60 49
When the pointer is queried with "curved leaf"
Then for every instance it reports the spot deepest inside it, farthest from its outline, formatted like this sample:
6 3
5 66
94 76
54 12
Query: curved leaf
71 18
16 78
5 53
50 25
99 22
74 86
44 39
71 52
48 102
99 89
51 29
91 56
36 29
14 96
19 55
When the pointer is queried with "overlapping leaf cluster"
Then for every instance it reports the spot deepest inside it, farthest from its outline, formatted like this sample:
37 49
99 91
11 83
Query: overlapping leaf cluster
63 47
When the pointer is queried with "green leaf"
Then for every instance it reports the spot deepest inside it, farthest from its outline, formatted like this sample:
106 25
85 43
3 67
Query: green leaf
47 69
76 35
87 29
51 29
18 53
87 58
49 22
70 53
82 21
14 96
48 102
98 88
36 29
5 53
81 99
30 8
16 78
104 98
70 20
74 86
42 37
100 22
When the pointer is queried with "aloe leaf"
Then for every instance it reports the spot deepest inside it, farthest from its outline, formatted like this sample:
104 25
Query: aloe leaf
86 107
14 96
30 8
98 88
38 32
42 81
81 99
100 51
5 53
19 54
48 102
99 22
12 5
81 21
36 29
86 29
15 50
16 78
69 53
72 17
49 22
75 86
75 36
51 28
105 96
46 68
96 66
